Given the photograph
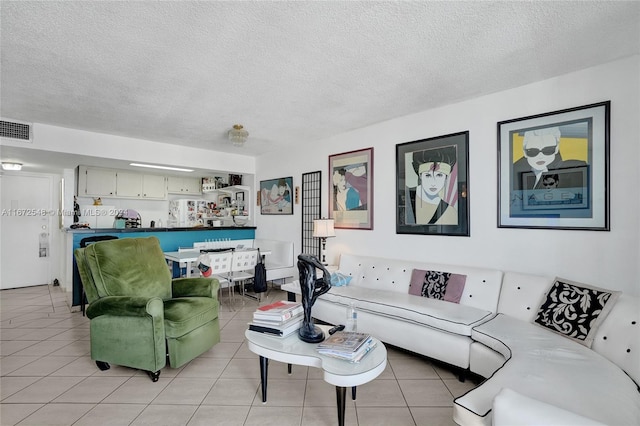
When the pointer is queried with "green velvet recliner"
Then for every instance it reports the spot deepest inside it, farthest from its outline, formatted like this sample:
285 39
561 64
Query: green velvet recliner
140 316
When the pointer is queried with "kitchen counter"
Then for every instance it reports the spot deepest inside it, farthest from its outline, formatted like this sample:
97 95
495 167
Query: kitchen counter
193 228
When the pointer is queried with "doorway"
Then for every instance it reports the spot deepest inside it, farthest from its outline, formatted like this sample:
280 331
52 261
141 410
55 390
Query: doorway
26 203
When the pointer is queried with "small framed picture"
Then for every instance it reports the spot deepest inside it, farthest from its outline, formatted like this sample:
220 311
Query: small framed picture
432 186
240 196
351 189
276 196
235 180
553 170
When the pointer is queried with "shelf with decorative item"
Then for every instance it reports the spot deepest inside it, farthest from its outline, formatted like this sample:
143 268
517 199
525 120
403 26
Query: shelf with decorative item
240 219
232 201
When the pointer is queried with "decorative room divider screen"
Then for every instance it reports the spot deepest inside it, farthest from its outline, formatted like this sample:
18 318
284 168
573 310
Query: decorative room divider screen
311 203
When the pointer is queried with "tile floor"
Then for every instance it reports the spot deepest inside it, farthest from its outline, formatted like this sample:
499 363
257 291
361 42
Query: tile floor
48 378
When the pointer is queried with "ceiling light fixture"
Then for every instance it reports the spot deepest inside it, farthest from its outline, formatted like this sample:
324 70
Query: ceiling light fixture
238 135
6 165
154 166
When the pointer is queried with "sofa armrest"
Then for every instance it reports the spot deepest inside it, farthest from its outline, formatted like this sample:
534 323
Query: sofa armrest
281 253
280 262
121 306
190 287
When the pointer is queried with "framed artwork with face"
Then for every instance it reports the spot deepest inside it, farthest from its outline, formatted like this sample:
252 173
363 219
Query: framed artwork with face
432 186
553 170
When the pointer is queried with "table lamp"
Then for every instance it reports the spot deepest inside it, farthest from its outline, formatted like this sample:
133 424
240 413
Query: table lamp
323 229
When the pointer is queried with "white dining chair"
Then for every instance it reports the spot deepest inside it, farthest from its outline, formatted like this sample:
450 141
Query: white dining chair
242 267
220 263
190 267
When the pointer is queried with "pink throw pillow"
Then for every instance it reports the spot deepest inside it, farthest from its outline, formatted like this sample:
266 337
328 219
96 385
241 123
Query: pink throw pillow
455 287
437 285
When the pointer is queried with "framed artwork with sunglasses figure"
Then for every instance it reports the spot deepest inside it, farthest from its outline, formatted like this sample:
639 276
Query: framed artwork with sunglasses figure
553 170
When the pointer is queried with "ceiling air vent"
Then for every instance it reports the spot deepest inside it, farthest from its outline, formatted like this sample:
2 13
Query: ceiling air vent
15 130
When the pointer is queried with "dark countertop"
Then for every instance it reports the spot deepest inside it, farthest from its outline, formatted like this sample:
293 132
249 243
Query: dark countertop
114 230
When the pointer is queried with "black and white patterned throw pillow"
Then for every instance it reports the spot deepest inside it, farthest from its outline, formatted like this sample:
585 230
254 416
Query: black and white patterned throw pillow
435 284
575 310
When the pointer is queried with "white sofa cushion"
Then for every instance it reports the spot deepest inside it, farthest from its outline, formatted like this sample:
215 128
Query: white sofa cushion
552 369
511 408
431 342
522 294
446 316
618 337
481 290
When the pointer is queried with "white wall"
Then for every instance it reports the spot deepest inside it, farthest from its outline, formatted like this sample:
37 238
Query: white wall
80 142
609 259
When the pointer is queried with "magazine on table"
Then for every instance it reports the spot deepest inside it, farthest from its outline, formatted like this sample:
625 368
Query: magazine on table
278 311
345 341
352 356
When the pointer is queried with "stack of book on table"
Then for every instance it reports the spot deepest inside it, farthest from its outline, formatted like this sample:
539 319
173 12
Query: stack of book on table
348 345
279 318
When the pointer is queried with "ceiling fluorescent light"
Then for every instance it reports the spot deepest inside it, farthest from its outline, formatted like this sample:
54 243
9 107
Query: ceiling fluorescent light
6 165
154 166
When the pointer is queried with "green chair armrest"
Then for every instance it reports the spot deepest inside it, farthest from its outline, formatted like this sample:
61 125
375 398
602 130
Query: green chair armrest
200 287
132 306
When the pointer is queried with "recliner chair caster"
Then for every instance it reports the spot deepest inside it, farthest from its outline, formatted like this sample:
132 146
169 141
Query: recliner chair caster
103 366
154 376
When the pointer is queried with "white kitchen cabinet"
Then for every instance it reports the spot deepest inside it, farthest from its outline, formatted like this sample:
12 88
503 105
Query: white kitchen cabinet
183 185
112 183
98 182
138 185
154 186
192 185
128 184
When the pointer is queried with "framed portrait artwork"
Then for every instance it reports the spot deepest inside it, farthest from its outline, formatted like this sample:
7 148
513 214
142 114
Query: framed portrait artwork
432 186
351 189
276 196
553 170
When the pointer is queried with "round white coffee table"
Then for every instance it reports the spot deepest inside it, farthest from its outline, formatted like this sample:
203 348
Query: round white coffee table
342 374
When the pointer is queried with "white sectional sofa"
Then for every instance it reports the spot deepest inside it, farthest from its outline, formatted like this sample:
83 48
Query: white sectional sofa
533 376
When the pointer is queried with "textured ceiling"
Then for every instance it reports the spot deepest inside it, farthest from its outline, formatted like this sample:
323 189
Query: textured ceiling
291 72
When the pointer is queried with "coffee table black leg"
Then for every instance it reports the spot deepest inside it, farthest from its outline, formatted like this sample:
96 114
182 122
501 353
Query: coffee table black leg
353 393
264 365
341 398
289 370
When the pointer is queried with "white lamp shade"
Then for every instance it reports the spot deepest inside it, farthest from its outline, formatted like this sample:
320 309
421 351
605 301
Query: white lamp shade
323 228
